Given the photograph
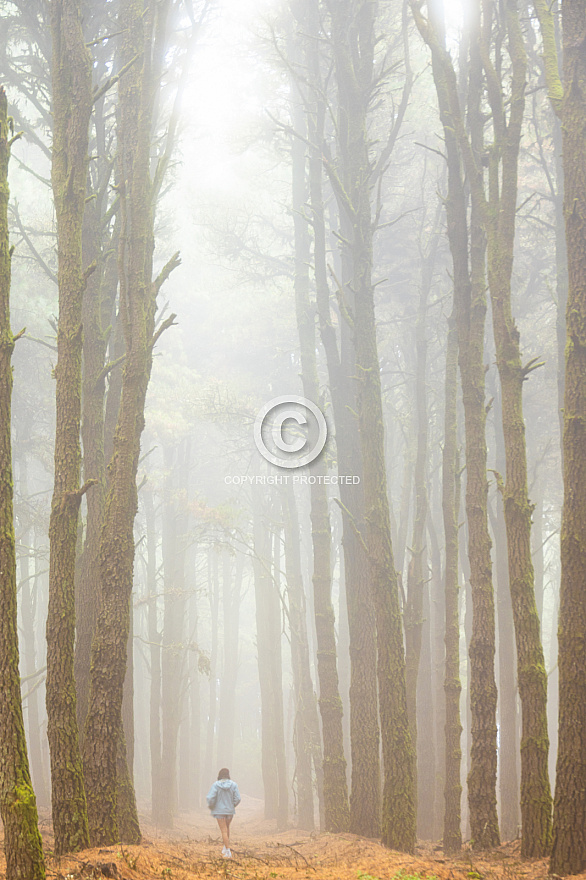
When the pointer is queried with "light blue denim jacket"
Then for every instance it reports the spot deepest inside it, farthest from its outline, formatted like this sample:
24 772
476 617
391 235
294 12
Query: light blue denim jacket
223 797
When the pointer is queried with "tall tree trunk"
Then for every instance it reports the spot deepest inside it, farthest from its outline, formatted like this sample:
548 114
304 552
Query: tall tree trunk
335 788
268 638
191 759
417 575
341 363
96 317
276 683
231 596
416 621
99 243
470 307
72 103
29 604
569 834
561 261
499 218
173 656
262 592
154 637
426 718
508 721
138 89
306 728
537 544
438 656
22 841
214 600
452 836
353 39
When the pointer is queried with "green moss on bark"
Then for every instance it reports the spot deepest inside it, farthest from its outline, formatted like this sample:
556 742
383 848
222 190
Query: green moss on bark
22 841
569 825
72 102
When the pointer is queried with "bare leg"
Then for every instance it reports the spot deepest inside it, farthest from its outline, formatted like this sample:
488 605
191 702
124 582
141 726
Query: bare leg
223 822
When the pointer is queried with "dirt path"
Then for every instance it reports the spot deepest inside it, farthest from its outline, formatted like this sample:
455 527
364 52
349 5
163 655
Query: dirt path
193 850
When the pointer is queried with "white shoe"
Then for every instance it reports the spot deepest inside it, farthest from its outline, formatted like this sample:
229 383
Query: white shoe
226 852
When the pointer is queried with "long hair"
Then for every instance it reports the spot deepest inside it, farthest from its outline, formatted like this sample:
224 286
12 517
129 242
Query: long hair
224 773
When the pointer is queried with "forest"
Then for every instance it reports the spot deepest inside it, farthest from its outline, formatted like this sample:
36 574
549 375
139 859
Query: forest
293 438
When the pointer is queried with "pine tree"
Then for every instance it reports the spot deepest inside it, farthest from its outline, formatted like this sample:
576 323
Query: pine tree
22 841
568 98
72 103
353 39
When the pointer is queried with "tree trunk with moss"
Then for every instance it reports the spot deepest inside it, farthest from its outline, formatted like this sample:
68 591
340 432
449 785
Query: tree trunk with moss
508 712
418 662
417 630
353 39
569 825
96 315
72 103
154 637
452 835
499 213
22 841
416 576
306 725
335 788
174 543
268 640
99 244
496 211
276 682
470 311
231 602
341 364
29 588
105 764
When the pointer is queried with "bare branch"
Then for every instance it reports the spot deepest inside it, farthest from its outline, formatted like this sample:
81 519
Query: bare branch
168 322
169 266
112 80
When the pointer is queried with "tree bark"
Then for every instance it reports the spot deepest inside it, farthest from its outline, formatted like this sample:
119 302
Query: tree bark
499 213
22 841
276 682
306 726
470 309
137 89
452 836
353 39
173 653
231 596
335 788
341 364
262 592
154 637
29 604
72 103
508 715
214 600
268 636
302 684
96 317
569 835
416 621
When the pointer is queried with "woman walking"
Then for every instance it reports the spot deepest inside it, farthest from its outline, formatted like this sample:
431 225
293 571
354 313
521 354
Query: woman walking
223 798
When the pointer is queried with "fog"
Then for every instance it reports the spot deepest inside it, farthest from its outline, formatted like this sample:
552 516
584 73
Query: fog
235 659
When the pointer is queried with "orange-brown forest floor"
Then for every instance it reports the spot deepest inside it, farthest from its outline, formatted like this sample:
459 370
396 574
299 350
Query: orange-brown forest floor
193 850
